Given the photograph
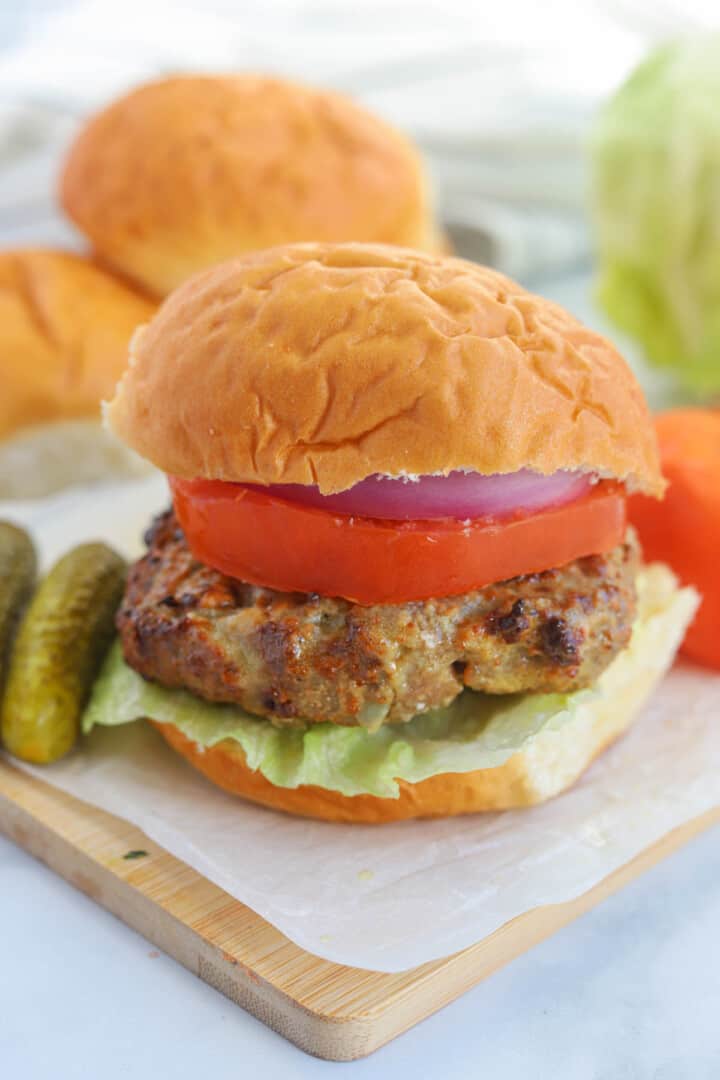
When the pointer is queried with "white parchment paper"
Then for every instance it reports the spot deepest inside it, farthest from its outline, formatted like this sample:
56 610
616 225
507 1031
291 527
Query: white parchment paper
394 896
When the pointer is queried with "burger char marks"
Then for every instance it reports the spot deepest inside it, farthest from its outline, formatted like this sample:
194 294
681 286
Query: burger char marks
296 657
561 642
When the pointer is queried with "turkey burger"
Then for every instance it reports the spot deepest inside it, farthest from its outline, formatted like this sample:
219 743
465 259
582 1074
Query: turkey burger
396 578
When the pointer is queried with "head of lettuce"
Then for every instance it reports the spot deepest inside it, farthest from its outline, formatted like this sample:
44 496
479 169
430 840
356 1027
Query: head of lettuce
656 174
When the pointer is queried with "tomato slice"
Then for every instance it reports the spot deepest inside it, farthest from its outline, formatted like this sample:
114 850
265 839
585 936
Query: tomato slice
267 540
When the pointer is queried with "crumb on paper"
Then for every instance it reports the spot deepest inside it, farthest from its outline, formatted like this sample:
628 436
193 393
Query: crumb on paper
366 875
153 954
594 835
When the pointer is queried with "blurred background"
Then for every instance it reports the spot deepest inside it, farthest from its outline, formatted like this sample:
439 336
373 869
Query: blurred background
502 99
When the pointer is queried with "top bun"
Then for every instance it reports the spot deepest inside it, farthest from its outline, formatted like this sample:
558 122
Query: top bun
65 326
328 363
184 173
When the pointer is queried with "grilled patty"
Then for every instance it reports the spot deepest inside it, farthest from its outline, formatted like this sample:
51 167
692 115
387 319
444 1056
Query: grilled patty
296 657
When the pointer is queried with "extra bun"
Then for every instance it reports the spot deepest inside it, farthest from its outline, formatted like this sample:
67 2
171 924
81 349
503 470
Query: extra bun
65 326
553 761
327 363
183 173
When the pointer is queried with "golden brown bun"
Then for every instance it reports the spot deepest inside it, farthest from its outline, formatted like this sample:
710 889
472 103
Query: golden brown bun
65 326
327 363
183 173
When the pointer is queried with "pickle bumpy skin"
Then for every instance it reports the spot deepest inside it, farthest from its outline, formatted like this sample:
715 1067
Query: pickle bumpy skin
59 647
18 568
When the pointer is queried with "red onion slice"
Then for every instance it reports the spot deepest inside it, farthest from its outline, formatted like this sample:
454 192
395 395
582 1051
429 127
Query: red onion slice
458 495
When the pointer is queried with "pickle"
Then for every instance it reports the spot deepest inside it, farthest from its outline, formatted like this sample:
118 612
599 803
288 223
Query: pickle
18 567
59 647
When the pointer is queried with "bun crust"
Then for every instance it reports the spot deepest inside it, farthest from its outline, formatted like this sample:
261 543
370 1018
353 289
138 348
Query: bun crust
65 326
183 173
325 364
553 763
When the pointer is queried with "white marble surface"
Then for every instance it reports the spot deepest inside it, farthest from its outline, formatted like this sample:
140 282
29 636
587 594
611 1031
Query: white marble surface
629 992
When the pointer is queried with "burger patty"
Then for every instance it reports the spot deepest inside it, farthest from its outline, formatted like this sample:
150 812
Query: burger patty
306 658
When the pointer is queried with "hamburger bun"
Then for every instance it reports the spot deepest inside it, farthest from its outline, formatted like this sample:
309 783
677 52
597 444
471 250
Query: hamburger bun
65 326
183 173
552 762
328 363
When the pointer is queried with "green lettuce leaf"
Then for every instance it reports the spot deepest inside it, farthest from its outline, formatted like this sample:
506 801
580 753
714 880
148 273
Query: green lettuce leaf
656 193
477 731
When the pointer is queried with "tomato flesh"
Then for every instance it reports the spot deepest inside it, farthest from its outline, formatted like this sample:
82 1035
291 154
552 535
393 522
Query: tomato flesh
266 540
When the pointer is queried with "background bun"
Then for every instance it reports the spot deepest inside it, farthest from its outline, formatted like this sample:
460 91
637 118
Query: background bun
65 326
325 364
183 173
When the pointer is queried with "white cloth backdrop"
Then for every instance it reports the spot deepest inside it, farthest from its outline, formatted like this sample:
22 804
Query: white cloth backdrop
499 96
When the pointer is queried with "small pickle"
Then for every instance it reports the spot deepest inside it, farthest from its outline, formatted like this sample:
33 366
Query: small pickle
18 568
58 650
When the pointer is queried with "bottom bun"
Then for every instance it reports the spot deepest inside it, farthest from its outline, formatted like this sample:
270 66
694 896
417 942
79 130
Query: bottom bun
39 460
553 762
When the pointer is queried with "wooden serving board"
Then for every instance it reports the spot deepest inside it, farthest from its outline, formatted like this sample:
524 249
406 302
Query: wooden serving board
334 1012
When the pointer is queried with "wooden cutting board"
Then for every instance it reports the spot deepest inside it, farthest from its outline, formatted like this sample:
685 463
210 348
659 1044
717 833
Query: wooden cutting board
334 1012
